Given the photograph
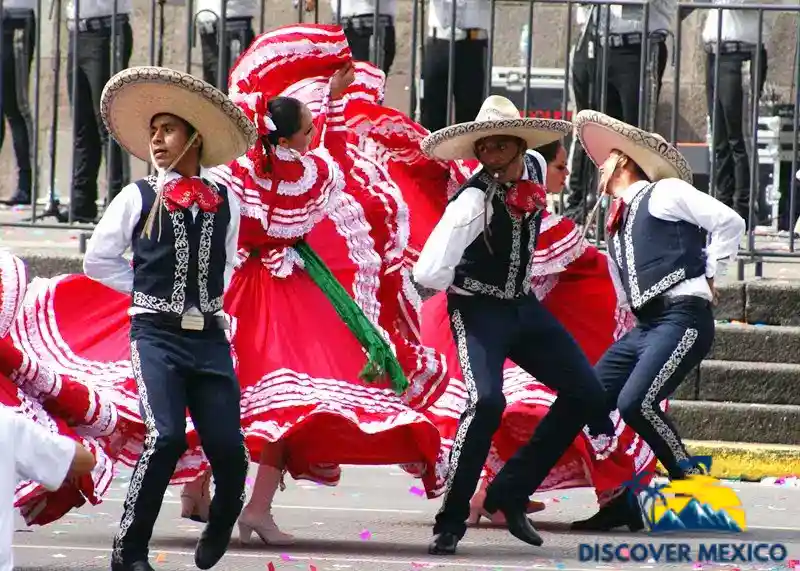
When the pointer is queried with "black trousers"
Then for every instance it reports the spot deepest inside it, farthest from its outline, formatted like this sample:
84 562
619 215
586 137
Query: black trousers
174 370
238 37
487 331
468 82
358 31
731 162
648 364
622 102
91 141
19 42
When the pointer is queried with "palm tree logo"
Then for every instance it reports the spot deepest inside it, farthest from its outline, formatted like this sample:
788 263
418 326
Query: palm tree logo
652 496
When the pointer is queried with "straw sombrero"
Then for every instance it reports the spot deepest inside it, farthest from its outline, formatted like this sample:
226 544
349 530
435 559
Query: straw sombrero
498 116
134 96
600 134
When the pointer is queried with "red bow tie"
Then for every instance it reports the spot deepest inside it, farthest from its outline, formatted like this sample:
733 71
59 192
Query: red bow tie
526 196
615 215
187 191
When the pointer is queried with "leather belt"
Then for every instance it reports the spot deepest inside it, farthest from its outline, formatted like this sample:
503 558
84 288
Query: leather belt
440 33
630 39
97 24
728 47
180 322
658 305
366 22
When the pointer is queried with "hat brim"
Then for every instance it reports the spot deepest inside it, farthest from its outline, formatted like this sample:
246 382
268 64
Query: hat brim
134 96
458 141
601 134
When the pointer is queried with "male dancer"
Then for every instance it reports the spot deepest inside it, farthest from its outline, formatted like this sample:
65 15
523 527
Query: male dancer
183 230
481 252
657 228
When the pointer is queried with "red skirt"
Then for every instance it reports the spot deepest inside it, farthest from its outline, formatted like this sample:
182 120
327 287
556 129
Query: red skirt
299 364
574 284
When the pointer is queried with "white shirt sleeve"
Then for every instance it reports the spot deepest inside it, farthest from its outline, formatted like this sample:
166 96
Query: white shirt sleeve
104 261
462 222
674 199
40 455
232 237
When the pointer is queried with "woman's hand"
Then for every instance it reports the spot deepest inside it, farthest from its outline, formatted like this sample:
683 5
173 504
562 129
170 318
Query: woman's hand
342 80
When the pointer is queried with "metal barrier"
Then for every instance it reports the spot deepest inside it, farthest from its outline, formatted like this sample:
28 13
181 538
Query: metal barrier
590 54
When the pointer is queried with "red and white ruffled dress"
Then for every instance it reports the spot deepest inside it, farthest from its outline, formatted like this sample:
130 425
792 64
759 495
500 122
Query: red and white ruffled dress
298 363
571 278
56 402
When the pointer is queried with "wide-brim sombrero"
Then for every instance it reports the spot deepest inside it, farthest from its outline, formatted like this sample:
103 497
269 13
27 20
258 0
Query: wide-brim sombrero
498 116
134 96
600 134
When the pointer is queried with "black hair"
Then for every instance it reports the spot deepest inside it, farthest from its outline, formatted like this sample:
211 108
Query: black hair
549 151
287 114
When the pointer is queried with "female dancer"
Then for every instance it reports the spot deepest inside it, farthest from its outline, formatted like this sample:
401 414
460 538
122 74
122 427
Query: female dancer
58 403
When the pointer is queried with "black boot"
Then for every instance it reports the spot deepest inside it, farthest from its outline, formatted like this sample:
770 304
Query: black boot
444 543
23 194
622 511
517 522
212 545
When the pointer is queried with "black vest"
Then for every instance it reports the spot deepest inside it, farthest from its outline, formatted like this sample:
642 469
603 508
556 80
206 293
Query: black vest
186 267
655 255
505 271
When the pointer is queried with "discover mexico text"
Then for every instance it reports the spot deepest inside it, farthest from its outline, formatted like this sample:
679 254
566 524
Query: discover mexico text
683 552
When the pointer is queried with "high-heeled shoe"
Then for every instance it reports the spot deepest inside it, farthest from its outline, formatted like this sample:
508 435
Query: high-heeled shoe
264 527
196 499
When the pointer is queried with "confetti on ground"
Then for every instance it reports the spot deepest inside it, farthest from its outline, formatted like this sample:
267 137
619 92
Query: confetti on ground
624 552
417 491
59 556
271 566
312 568
160 558
366 534
697 566
560 566
286 557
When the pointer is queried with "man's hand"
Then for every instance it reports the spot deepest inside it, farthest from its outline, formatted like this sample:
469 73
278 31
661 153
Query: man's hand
714 292
311 5
342 80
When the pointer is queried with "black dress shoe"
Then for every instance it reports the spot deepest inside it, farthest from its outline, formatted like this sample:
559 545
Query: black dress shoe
443 544
622 511
517 521
212 545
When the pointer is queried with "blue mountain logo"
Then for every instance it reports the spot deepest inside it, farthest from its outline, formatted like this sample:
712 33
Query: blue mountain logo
696 516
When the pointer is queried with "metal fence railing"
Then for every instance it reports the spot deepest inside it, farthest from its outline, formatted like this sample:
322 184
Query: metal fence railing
619 57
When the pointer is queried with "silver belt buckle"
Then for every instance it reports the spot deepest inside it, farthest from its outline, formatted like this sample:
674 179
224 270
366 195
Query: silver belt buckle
193 320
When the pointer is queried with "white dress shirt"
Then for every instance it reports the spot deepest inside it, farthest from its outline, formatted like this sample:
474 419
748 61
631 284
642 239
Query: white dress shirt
674 200
469 14
209 11
461 224
628 19
30 452
98 8
104 260
737 25
364 7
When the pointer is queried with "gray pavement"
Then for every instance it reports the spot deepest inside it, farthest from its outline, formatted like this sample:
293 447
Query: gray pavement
375 520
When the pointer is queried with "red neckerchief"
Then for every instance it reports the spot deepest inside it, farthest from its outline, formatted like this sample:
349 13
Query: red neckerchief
184 192
615 214
526 197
